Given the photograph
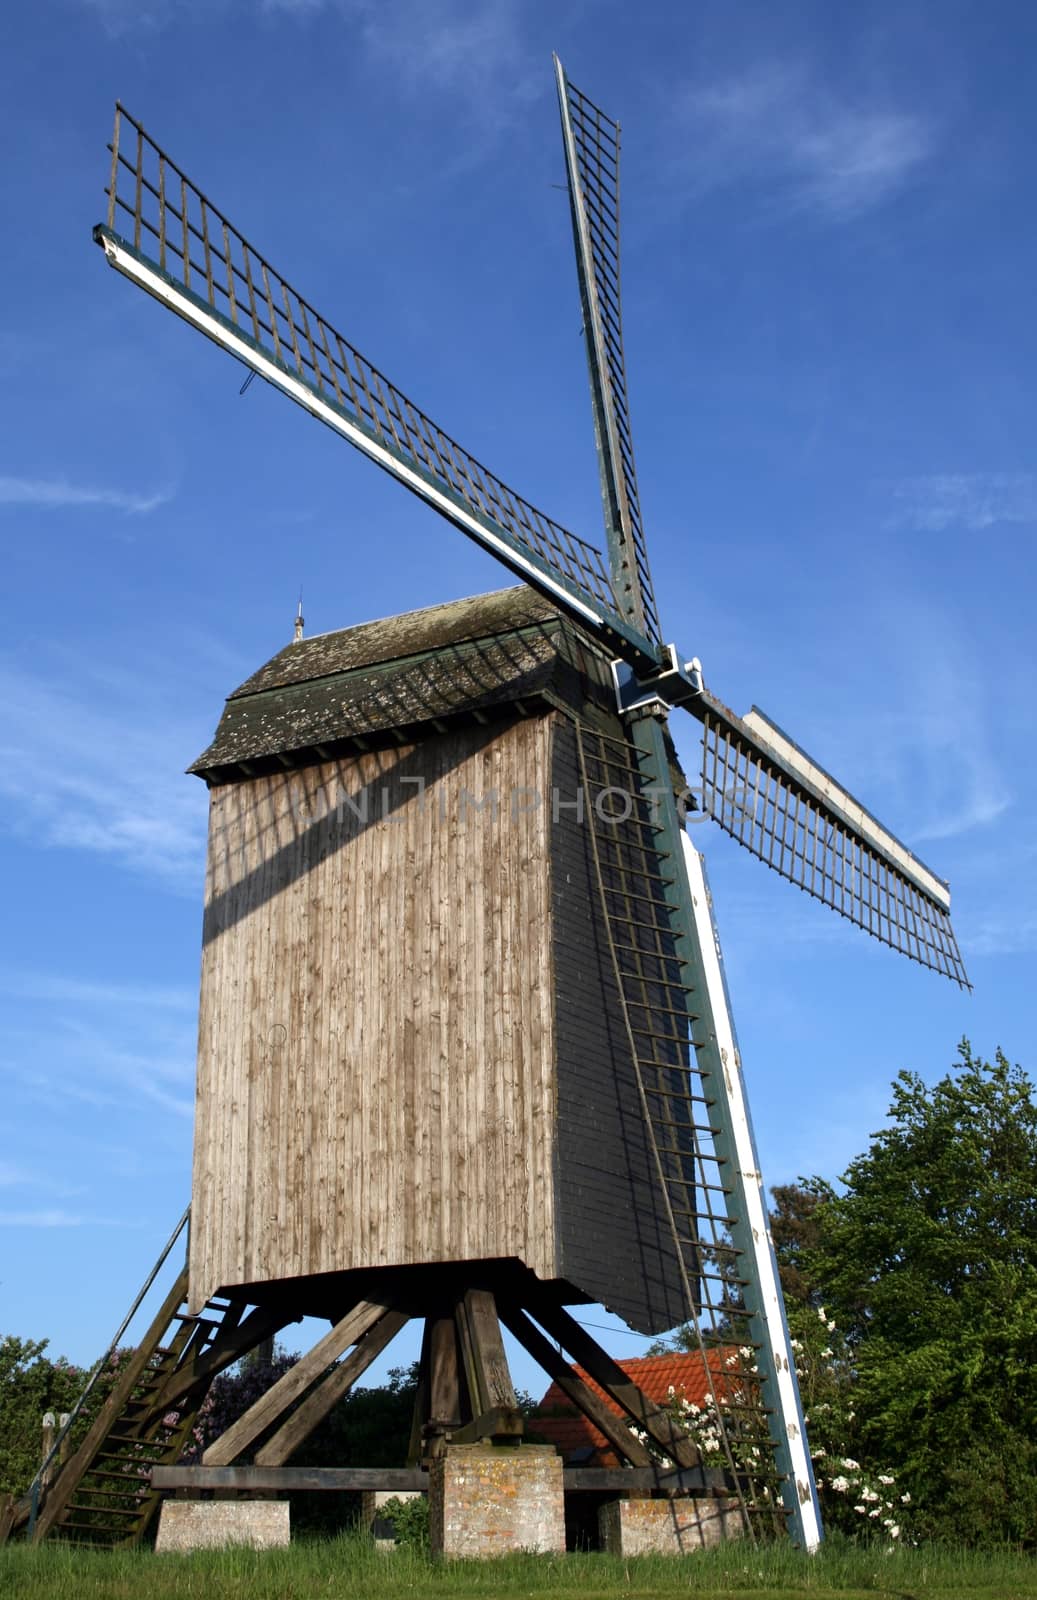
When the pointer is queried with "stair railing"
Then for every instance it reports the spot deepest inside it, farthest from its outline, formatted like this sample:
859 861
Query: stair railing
36 1487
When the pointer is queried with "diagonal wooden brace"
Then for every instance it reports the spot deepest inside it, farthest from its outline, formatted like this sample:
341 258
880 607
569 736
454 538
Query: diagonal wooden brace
272 1405
581 1394
608 1375
292 1433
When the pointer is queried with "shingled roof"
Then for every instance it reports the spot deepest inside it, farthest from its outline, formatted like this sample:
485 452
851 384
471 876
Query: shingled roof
557 1420
506 652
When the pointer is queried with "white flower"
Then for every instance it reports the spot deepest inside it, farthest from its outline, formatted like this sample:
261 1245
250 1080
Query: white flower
851 1465
827 1351
860 1509
840 1484
831 1327
875 1512
822 1313
745 1351
905 1499
894 1532
818 1454
886 1477
795 1344
869 1495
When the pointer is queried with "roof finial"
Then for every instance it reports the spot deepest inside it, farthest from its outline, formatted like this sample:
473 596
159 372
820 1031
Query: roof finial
300 620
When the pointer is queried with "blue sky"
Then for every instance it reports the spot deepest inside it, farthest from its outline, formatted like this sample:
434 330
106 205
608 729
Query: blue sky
829 258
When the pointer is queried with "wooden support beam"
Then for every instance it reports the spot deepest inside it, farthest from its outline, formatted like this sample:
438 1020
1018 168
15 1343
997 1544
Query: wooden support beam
272 1405
483 1347
421 1395
444 1387
656 1422
334 1479
500 1422
319 1402
702 1483
581 1394
610 1480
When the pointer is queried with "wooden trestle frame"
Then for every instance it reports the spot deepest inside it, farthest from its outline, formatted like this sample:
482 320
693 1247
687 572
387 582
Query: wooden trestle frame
465 1391
110 1490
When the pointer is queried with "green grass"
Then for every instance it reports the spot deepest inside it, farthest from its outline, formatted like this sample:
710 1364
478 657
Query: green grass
348 1567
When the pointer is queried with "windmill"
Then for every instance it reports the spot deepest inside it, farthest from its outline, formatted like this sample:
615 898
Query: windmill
598 1146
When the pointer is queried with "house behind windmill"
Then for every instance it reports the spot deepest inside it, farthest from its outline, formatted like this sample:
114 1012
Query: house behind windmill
411 1046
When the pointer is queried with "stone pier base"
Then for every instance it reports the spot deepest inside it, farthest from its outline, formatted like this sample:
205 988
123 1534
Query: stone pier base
488 1500
667 1527
210 1524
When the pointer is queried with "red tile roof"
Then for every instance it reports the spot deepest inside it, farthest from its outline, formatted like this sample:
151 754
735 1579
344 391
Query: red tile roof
558 1421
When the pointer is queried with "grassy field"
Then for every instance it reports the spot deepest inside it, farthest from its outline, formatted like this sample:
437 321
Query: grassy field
348 1567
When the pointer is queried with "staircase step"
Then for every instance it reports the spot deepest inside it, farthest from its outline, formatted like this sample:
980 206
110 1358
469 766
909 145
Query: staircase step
137 1461
106 1511
120 1477
111 1501
111 1493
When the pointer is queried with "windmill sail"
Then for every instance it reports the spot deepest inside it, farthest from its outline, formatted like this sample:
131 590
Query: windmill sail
770 796
592 164
169 239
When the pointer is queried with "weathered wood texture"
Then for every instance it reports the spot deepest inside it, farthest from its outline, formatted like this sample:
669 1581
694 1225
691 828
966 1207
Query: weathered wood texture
376 1051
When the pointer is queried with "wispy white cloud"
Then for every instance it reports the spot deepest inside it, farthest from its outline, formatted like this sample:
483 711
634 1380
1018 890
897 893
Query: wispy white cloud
1007 933
294 8
56 1217
108 1047
927 743
475 49
101 772
776 126
55 989
975 500
120 17
56 494
470 45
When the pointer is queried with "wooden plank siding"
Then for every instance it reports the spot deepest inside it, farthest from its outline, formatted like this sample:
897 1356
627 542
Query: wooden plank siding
376 1040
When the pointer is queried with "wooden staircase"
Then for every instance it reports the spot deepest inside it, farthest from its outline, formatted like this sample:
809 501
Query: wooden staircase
102 1495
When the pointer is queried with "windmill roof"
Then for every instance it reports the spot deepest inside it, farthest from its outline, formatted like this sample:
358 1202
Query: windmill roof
486 654
558 1421
394 639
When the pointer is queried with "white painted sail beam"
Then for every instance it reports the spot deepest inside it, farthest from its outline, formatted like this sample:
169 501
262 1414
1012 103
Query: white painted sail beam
799 1492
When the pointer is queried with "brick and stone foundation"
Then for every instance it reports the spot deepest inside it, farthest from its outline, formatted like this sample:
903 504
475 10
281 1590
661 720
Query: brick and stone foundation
487 1500
667 1527
211 1524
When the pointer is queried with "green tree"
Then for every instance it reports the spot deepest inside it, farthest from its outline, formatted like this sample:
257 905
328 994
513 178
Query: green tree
30 1385
928 1264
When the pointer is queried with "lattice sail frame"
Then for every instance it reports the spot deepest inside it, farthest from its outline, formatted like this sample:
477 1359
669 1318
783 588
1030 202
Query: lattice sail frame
592 160
668 969
203 268
818 837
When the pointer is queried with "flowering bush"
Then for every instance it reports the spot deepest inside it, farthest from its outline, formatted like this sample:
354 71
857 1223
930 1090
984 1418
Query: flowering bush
855 1499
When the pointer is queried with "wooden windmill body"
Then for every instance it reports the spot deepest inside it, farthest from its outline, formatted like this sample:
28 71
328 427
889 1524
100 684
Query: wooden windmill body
465 1044
411 1044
